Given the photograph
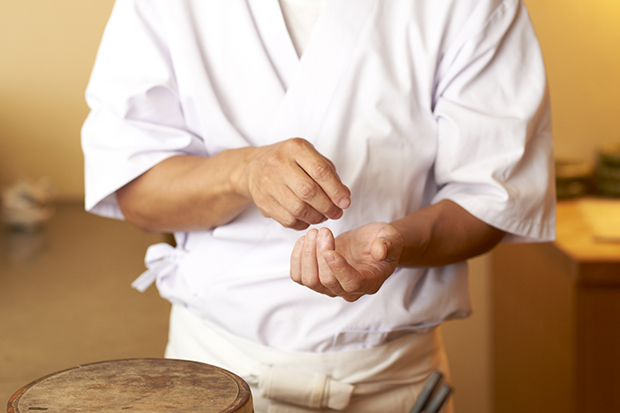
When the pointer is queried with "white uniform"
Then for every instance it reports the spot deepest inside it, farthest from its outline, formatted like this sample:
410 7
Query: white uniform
414 101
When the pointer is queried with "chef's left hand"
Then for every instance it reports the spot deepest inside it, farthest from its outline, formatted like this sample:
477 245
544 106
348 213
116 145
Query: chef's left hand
353 264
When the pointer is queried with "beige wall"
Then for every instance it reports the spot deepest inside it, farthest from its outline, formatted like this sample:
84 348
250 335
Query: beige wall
47 48
581 44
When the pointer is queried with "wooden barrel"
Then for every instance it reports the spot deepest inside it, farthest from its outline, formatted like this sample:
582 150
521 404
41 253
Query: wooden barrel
146 385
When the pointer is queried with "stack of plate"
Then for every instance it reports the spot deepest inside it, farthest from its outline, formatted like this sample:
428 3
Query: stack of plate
607 171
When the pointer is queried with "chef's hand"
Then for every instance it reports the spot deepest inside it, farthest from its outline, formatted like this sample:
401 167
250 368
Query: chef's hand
355 263
292 183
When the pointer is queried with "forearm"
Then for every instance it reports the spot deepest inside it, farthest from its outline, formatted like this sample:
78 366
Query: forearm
289 181
185 193
442 234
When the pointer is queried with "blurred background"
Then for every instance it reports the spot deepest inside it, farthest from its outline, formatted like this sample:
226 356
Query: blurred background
65 295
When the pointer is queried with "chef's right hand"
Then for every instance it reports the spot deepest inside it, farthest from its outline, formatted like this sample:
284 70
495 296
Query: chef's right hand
291 182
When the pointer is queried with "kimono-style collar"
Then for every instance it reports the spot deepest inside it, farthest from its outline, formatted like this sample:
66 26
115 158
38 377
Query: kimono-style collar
310 81
276 39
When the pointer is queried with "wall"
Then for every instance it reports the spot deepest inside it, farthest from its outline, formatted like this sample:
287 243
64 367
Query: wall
581 44
47 48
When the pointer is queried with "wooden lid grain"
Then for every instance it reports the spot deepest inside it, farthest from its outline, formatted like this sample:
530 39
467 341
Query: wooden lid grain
147 385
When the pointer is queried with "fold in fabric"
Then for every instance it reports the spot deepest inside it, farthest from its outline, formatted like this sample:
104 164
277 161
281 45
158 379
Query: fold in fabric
305 389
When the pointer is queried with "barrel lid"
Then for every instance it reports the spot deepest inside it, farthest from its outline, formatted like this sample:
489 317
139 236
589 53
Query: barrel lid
147 385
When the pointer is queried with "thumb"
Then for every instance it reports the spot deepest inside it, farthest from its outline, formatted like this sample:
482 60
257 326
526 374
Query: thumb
347 276
380 248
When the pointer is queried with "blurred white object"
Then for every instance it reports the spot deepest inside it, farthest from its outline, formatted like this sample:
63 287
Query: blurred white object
26 205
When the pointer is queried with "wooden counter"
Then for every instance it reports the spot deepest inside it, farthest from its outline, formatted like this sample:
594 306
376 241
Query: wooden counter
557 321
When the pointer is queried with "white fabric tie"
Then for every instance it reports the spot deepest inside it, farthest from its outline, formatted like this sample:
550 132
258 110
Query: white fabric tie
300 388
161 261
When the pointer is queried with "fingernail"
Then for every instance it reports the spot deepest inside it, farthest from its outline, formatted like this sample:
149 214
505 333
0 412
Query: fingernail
312 234
344 203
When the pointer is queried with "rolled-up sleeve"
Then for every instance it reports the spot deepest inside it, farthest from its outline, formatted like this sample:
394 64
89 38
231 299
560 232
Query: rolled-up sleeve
494 151
136 119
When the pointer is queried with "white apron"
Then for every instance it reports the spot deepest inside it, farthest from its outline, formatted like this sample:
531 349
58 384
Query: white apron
387 378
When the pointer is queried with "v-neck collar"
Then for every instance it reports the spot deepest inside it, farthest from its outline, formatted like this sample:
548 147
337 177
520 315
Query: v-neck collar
278 43
309 82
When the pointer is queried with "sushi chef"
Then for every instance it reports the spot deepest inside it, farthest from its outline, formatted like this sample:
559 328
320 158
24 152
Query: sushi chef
327 167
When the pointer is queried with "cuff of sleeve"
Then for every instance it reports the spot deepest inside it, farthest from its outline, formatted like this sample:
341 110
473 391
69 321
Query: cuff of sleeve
102 200
521 224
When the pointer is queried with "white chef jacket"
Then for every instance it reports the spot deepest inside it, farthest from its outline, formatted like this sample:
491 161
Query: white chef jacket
415 101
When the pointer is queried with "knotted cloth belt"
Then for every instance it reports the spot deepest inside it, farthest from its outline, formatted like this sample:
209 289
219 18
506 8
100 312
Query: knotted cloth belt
160 260
301 388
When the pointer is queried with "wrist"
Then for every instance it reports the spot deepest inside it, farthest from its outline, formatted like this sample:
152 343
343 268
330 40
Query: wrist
395 244
415 240
240 161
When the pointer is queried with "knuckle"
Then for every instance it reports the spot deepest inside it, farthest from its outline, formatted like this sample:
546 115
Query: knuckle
310 282
321 170
307 190
308 253
297 143
288 221
330 282
352 286
273 161
297 208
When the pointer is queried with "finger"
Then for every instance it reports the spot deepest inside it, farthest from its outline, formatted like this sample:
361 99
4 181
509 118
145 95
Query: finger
309 267
326 242
309 264
295 269
310 192
322 171
349 278
296 206
277 212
